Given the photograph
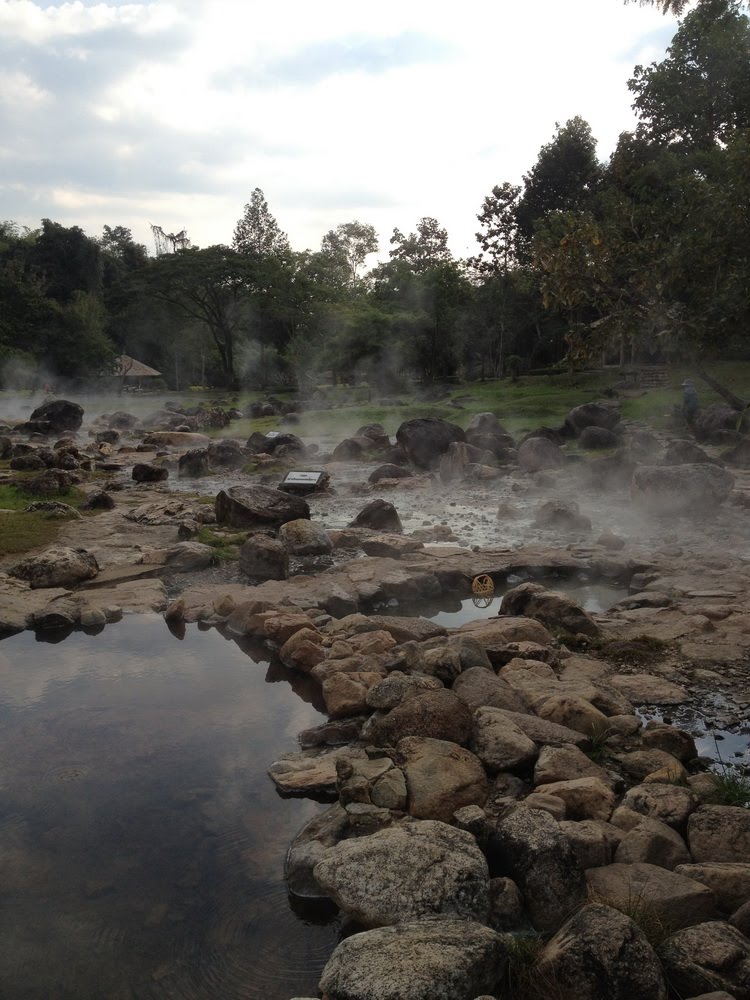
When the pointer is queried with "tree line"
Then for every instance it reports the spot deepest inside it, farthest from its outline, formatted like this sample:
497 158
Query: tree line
641 257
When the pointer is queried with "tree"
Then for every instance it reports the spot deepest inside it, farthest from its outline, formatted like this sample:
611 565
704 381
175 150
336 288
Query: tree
67 260
211 286
257 233
350 244
425 248
700 94
563 178
498 235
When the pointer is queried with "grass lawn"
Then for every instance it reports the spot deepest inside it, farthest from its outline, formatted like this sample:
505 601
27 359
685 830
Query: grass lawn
21 532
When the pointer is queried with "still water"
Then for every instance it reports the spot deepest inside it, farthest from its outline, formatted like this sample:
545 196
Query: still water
141 842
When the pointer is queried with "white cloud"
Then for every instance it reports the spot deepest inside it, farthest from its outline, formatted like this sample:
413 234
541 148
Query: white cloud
337 111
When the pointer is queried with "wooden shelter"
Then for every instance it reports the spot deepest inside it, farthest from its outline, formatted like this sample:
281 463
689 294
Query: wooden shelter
132 371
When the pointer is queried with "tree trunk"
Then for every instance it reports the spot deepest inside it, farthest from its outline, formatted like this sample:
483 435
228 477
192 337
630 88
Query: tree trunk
734 401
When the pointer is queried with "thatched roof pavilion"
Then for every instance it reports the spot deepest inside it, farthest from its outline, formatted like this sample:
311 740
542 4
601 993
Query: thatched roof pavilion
130 368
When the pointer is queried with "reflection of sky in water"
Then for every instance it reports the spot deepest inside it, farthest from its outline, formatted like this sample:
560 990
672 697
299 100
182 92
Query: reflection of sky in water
142 841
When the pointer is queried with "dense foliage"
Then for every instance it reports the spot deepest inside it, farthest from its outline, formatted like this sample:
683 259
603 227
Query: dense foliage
641 257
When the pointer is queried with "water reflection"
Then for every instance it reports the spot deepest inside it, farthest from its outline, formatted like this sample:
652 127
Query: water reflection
141 840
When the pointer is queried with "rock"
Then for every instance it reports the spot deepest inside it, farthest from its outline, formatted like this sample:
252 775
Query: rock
562 516
350 450
674 741
405 872
311 772
425 439
594 842
499 743
680 489
302 650
537 454
303 537
441 777
438 714
711 955
729 882
437 958
258 507
98 500
651 892
498 635
741 919
640 763
398 687
528 846
226 454
189 557
720 833
565 764
57 567
309 846
30 462
378 515
264 558
407 629
597 439
478 687
389 472
574 713
653 843
457 459
376 434
555 610
601 414
716 424
645 689
60 414
601 953
685 453
193 464
345 694
584 798
672 804
545 733
143 472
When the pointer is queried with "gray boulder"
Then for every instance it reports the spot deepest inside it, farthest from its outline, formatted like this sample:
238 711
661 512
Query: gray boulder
709 956
258 507
438 714
226 454
305 538
601 414
405 872
441 777
720 833
264 558
425 439
378 515
437 958
555 610
598 438
528 846
144 472
536 454
60 414
57 567
601 953
193 464
680 489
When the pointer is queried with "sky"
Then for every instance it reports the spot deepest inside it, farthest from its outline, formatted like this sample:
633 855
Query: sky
171 113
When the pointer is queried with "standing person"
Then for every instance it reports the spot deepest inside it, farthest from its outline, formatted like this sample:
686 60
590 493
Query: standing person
690 401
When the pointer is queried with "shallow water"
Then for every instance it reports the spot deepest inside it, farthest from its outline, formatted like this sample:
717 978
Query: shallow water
142 843
453 612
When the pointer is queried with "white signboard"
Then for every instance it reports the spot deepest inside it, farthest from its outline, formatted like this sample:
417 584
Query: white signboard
303 478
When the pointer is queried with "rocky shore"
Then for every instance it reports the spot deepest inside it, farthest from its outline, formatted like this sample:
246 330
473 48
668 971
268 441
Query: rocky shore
514 806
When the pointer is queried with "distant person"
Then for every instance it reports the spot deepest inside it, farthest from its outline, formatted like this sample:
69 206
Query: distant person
690 402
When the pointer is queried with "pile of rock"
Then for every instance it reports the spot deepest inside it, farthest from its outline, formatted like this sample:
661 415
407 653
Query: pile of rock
469 809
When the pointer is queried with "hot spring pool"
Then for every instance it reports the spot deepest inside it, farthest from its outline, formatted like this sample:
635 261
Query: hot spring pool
142 842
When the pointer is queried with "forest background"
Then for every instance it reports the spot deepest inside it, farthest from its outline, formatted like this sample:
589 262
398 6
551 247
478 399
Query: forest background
643 258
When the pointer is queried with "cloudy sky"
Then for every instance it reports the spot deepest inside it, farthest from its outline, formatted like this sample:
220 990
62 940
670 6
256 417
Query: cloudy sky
172 112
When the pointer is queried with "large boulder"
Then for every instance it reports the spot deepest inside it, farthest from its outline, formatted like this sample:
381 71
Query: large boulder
258 507
425 439
499 743
479 686
716 424
437 958
719 833
602 414
680 489
60 414
729 882
405 872
528 846
709 956
57 567
598 439
536 454
652 892
600 953
685 452
226 454
379 515
145 472
439 714
555 610
193 464
264 558
305 538
441 777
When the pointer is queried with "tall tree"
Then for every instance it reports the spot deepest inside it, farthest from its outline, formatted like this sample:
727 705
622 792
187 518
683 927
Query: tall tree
425 248
67 260
700 93
563 178
350 243
257 233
